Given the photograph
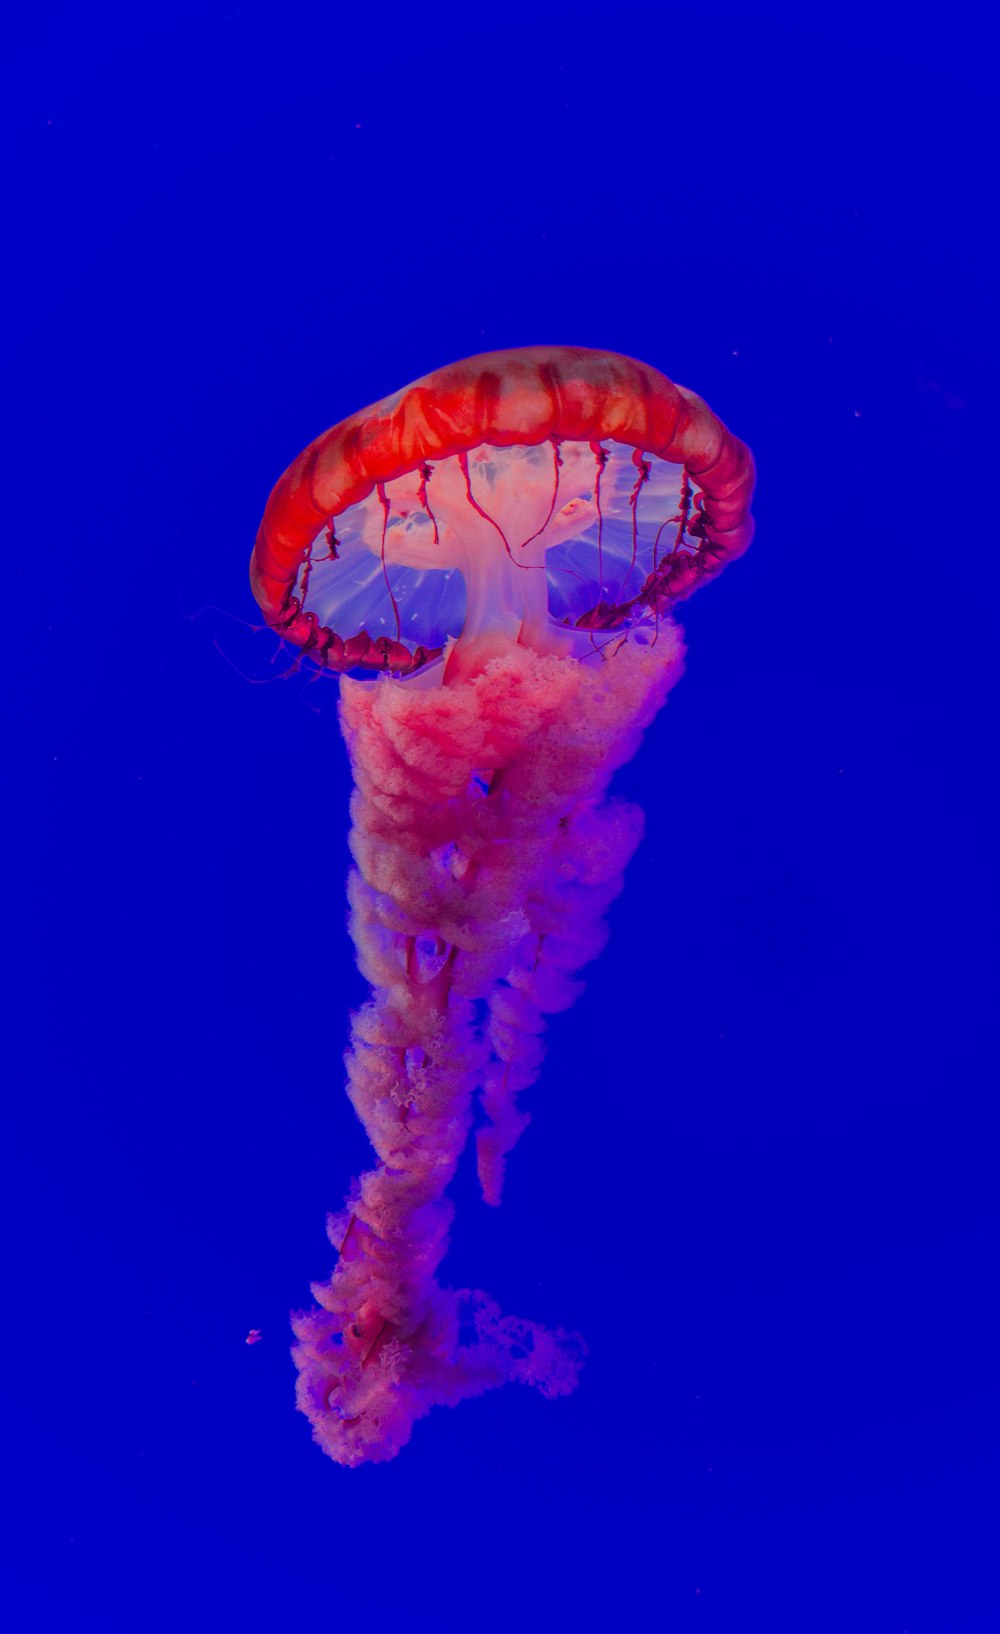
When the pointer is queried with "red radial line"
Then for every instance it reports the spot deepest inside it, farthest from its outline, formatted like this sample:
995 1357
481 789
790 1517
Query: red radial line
463 460
685 511
383 500
601 457
425 474
643 467
555 494
306 576
681 518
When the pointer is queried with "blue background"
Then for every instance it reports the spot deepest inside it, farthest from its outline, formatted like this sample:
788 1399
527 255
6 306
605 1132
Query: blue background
759 1176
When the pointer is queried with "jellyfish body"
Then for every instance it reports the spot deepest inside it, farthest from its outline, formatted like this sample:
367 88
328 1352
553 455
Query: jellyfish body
492 524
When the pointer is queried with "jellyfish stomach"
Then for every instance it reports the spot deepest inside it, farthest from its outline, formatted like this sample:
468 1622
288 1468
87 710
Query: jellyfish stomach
507 606
498 541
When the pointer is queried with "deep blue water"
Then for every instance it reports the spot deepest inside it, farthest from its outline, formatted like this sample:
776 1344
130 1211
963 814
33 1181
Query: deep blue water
760 1177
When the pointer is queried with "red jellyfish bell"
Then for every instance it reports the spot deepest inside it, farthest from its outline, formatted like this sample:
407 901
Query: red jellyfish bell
503 541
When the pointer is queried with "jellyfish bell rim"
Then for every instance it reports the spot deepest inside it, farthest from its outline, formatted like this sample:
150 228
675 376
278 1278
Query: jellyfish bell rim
521 396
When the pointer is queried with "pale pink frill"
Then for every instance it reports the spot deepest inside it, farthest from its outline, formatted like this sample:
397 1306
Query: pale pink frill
487 853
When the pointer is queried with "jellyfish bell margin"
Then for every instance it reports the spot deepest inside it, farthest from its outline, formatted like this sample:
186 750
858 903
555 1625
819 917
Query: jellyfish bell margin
531 397
502 542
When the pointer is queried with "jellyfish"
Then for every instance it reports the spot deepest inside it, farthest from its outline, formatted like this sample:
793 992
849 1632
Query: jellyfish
489 560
